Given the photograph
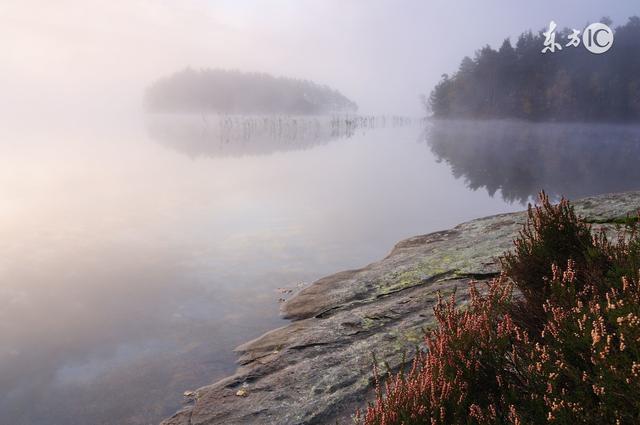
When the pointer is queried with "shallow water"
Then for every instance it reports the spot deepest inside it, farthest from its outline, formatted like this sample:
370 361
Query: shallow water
133 261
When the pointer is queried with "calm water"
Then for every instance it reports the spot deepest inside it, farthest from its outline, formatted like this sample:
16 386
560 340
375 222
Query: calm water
132 262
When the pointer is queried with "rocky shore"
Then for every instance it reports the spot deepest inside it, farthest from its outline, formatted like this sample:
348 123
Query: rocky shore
317 369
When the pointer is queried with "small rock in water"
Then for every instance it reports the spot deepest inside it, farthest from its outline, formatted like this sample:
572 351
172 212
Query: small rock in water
189 394
284 290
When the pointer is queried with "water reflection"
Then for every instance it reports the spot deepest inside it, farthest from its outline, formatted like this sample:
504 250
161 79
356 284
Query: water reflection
95 328
129 272
238 135
518 159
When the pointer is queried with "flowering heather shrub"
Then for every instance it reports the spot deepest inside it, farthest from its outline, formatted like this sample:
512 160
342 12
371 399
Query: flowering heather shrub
586 367
552 235
458 374
574 357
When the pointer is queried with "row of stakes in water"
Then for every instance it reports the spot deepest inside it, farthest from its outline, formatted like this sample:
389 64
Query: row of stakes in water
297 127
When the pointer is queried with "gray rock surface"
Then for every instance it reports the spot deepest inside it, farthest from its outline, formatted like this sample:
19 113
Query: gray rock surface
317 369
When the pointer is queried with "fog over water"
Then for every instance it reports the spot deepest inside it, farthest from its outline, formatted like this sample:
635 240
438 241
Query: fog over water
98 55
137 251
130 270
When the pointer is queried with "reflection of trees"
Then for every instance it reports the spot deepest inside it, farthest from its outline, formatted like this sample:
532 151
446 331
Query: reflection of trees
519 159
236 135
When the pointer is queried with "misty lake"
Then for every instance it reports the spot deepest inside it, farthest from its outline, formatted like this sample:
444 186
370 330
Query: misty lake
133 261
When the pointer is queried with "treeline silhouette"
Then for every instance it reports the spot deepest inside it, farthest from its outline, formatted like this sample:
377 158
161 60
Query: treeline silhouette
568 85
235 92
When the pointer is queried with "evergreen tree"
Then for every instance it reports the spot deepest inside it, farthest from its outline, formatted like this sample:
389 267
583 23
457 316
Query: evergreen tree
569 85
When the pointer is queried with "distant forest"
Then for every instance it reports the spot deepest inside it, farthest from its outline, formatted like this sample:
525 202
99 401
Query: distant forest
568 85
235 92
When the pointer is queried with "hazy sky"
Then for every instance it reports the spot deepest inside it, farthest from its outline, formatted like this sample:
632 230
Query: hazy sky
74 54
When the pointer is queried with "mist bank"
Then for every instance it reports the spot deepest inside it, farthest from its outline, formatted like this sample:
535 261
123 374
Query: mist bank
236 92
568 85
